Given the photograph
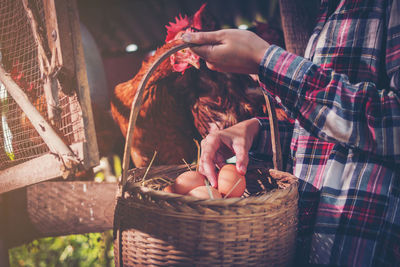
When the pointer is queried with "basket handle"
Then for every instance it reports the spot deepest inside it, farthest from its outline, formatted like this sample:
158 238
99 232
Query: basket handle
274 130
137 102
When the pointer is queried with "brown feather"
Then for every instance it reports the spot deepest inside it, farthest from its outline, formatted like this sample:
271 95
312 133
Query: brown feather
179 107
164 122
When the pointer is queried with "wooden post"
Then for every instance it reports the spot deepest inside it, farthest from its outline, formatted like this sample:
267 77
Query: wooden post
73 75
4 260
60 39
91 149
3 240
19 227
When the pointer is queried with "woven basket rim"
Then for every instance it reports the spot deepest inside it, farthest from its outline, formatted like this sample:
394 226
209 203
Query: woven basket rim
262 199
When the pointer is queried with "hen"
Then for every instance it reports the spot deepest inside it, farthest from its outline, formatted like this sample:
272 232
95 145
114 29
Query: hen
164 123
182 102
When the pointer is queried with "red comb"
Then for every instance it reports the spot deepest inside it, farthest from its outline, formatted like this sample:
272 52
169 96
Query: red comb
182 23
197 17
173 28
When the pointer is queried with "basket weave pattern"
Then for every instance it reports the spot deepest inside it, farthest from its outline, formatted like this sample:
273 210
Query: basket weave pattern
158 228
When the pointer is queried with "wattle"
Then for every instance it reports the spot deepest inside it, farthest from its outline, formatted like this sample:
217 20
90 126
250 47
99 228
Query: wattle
180 67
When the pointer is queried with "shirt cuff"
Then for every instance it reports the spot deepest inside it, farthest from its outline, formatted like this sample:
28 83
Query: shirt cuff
283 74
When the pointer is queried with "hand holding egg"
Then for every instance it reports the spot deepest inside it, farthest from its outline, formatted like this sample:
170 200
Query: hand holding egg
222 144
192 183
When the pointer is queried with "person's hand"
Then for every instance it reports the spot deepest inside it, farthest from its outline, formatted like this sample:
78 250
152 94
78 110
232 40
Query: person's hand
220 145
230 50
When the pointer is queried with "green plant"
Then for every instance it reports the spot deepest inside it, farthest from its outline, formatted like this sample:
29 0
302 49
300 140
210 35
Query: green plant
94 249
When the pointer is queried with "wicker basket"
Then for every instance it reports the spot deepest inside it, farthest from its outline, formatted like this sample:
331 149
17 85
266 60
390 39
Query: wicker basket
152 227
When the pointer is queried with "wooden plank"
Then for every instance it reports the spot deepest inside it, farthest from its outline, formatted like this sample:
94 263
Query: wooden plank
30 172
59 208
59 34
64 208
53 36
91 152
36 170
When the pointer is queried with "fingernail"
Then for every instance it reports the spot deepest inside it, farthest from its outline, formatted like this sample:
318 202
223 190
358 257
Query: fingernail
212 182
187 37
241 169
272 171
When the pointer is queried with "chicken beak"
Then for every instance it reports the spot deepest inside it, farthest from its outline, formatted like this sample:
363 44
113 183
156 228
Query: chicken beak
193 59
183 59
195 62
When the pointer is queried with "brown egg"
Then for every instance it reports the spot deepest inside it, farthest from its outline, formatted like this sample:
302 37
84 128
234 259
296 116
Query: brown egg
168 189
202 192
187 181
227 179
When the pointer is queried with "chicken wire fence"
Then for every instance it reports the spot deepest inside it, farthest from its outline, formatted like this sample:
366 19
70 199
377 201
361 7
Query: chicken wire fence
19 141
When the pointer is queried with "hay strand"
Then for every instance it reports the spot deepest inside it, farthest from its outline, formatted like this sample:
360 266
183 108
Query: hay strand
208 188
187 165
198 154
148 168
233 187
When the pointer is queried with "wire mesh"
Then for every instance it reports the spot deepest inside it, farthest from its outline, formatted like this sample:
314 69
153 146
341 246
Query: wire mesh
19 141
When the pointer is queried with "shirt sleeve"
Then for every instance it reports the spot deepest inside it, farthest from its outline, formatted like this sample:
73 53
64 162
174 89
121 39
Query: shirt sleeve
327 105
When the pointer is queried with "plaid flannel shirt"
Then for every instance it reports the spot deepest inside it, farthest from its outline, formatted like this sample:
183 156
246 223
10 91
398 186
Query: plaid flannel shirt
345 143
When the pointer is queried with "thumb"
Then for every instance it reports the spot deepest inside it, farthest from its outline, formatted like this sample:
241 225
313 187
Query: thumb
201 38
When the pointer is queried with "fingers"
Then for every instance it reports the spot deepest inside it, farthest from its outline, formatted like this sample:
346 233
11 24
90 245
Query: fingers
222 144
208 170
203 51
206 42
202 38
280 174
242 158
209 147
219 160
